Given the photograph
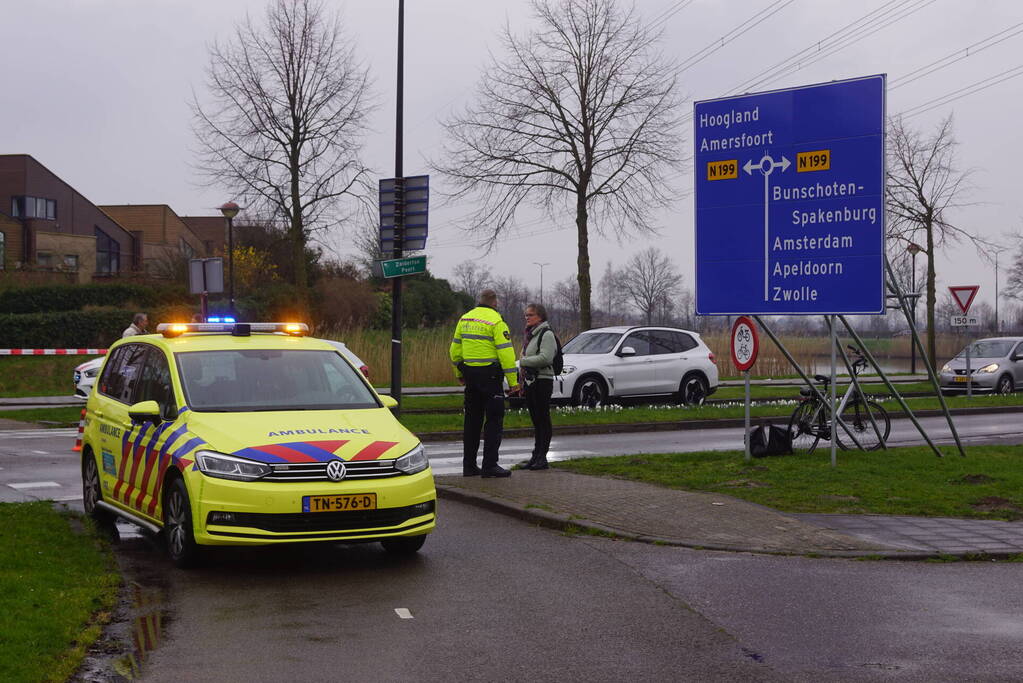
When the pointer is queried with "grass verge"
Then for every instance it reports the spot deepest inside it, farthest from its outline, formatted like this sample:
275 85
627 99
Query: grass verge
38 375
66 416
57 587
987 484
424 423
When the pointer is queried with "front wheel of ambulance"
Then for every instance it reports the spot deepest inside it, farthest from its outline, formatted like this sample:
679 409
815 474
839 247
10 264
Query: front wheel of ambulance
178 532
408 545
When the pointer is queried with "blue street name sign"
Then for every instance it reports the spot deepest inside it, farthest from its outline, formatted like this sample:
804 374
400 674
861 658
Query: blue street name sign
790 201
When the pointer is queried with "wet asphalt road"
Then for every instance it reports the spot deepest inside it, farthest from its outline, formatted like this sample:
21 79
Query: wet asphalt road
491 598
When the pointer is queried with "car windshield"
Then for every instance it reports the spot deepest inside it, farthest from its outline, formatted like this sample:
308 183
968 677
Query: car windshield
592 342
988 349
271 379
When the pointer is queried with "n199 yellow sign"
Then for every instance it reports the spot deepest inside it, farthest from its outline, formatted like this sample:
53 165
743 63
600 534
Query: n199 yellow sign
818 160
723 170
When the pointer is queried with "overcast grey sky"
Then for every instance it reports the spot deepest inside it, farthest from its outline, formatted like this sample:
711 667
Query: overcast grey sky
98 91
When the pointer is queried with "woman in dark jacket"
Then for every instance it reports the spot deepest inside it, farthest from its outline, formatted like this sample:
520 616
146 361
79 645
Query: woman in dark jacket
538 350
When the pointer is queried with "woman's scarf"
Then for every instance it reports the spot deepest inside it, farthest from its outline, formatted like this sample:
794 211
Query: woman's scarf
527 335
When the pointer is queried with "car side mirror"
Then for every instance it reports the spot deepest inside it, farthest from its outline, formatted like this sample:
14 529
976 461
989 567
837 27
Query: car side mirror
145 411
626 351
388 401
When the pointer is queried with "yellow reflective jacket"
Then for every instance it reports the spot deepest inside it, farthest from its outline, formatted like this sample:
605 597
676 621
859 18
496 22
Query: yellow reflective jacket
481 338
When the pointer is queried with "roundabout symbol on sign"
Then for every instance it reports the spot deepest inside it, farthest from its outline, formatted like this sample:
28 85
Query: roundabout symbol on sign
745 343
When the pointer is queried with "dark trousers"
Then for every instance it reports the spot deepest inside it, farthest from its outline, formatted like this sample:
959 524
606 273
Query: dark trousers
538 400
484 410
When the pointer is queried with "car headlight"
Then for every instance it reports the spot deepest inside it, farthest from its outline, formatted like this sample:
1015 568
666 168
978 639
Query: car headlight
224 466
568 370
946 368
413 461
989 368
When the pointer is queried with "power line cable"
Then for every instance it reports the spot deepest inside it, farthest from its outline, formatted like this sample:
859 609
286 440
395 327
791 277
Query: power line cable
965 91
742 28
956 56
836 42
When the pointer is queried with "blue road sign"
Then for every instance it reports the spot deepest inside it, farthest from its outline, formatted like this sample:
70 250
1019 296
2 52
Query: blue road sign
411 196
790 201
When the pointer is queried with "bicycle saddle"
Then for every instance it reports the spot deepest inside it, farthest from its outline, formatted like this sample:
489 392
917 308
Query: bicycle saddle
823 379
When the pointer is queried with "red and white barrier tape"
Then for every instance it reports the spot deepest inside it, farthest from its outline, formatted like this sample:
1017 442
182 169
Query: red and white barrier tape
53 352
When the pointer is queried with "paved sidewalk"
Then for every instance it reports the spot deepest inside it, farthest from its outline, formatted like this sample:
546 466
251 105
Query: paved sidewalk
655 514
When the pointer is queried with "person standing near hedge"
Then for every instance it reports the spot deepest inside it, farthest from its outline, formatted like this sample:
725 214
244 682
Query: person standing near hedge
138 326
538 350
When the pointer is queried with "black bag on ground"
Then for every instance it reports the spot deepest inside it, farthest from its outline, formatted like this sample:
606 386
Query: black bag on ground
766 440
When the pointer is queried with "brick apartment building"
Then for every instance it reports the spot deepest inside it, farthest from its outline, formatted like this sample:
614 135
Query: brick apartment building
46 225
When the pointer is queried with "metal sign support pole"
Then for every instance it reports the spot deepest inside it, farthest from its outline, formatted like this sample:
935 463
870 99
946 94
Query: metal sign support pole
792 361
894 284
859 389
969 375
396 302
745 374
834 413
891 387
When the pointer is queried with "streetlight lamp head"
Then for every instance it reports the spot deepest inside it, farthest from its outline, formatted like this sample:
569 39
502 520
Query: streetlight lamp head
230 210
914 248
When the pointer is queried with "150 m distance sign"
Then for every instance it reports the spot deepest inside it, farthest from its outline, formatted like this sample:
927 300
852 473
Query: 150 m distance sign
790 200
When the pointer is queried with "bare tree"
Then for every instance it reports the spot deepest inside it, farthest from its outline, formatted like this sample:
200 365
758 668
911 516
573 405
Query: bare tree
923 187
472 277
283 128
1014 281
512 297
612 294
648 280
581 111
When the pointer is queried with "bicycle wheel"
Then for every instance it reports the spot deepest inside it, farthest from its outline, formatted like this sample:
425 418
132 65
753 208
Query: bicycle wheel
804 427
856 417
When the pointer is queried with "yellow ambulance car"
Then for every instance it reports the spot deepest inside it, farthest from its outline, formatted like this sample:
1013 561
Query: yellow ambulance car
250 433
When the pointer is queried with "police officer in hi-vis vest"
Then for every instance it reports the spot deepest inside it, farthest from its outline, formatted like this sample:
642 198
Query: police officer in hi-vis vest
483 356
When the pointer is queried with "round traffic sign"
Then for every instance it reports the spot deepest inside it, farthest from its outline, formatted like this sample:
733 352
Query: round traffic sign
745 343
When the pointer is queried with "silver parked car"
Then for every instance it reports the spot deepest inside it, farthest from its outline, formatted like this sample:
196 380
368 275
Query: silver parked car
611 363
996 365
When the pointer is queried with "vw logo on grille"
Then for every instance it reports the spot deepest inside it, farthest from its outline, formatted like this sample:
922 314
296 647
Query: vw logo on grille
336 470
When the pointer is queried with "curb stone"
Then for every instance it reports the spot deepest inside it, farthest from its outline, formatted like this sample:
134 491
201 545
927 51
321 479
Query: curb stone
563 522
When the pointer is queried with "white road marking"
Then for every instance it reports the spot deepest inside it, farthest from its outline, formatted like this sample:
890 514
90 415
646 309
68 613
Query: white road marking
35 485
403 612
37 433
41 452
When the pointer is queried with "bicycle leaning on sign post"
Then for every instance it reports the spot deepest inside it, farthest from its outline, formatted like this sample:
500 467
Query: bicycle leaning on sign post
866 419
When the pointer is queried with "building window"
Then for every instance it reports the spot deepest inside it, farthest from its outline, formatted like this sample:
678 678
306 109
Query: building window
34 207
186 248
3 250
71 261
44 259
108 254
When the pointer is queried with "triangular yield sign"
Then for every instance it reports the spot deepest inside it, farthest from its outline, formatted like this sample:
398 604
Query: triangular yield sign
964 296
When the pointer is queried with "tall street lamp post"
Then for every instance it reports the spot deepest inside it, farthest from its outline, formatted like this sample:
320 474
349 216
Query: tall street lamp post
230 210
913 250
535 263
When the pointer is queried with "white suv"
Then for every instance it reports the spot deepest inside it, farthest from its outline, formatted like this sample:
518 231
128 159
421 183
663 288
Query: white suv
617 362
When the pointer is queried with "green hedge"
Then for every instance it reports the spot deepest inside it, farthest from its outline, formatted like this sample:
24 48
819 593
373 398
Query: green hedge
67 329
52 298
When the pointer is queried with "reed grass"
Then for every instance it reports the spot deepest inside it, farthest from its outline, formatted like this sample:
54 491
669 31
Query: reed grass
425 353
